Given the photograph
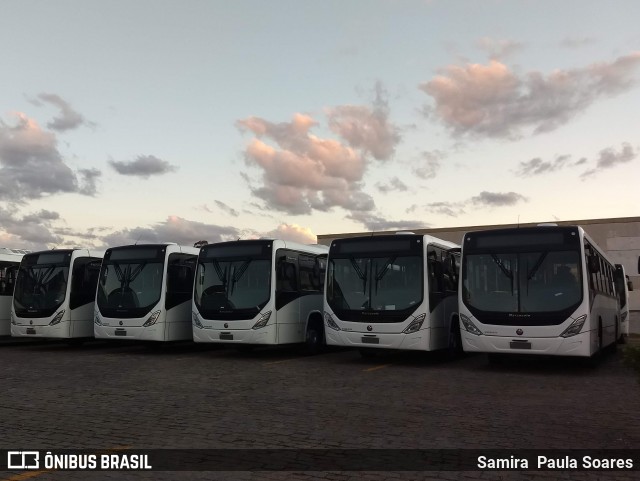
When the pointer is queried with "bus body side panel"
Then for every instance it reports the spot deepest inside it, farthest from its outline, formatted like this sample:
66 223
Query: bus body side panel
309 304
5 315
288 322
178 322
81 321
440 321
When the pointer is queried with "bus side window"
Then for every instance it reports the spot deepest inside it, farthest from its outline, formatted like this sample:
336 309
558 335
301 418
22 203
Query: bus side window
286 280
84 283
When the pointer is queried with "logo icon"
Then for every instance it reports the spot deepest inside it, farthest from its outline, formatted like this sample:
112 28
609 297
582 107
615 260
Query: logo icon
23 460
369 328
519 332
226 325
120 323
31 323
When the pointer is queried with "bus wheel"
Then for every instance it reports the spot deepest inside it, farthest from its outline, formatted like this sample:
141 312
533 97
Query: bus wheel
314 338
454 349
75 342
595 358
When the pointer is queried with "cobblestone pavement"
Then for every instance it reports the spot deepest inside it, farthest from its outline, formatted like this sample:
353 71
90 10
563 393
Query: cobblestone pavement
109 395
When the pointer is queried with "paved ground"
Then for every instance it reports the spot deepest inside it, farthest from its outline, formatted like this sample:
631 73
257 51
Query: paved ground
104 396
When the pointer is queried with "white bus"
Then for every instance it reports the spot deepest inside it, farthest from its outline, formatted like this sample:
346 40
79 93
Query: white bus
9 263
393 291
265 291
537 290
623 286
145 292
54 294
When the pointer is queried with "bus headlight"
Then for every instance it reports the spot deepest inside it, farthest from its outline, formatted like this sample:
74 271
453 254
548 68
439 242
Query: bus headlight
196 320
264 319
152 319
96 320
470 326
330 322
415 325
575 327
57 319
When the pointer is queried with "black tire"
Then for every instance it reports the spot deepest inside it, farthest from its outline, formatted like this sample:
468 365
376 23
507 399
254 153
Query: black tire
75 342
595 359
314 338
454 349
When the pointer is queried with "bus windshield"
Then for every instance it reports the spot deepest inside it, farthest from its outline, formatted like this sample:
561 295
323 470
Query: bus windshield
387 283
41 284
535 281
131 281
232 284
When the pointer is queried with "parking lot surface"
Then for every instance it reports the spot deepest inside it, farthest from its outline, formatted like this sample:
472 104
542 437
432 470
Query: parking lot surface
131 396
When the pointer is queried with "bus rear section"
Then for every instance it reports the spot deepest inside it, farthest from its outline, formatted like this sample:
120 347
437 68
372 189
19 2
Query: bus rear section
144 293
54 294
537 290
9 264
623 286
392 292
259 292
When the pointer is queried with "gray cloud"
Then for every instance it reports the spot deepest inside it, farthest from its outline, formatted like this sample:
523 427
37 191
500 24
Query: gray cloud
394 184
537 166
577 42
32 231
227 209
497 48
484 199
609 158
68 119
365 128
88 181
492 101
429 164
374 222
497 199
31 165
143 166
450 209
174 229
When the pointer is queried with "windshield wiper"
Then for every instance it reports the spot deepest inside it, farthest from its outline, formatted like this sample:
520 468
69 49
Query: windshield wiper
361 275
384 270
537 265
237 275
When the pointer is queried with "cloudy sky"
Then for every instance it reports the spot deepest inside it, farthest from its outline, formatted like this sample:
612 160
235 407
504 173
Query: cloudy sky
180 121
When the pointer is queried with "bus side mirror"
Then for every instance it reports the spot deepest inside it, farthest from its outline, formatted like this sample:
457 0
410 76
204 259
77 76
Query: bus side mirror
594 265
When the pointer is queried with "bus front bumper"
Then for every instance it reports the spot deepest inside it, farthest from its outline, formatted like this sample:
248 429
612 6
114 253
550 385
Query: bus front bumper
57 331
418 341
265 335
578 345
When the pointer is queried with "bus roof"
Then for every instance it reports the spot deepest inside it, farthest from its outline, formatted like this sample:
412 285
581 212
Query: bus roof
427 239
